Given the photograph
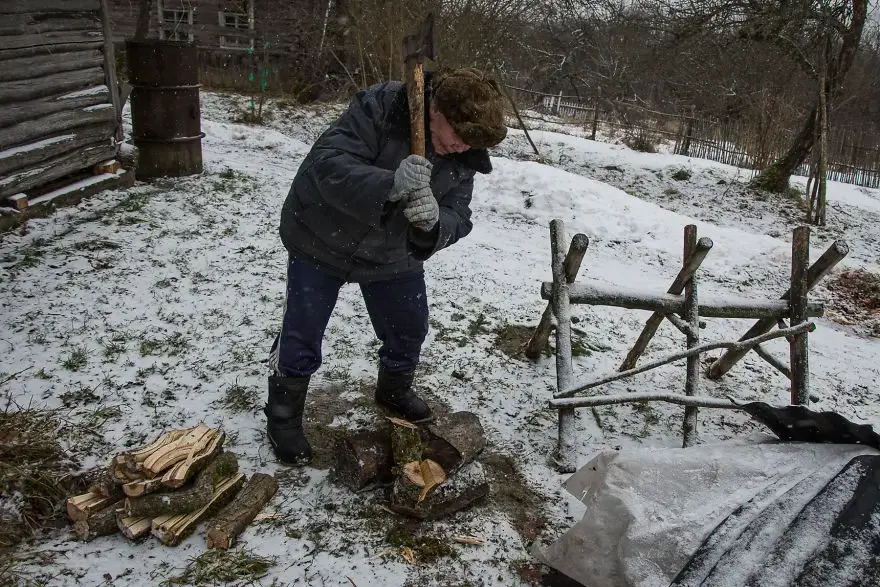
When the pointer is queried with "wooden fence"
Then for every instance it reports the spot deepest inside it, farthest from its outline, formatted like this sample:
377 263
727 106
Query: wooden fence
853 157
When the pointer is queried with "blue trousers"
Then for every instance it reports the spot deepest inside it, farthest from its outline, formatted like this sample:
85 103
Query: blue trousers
398 309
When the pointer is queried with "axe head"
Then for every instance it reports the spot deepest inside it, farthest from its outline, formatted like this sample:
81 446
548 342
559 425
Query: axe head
420 46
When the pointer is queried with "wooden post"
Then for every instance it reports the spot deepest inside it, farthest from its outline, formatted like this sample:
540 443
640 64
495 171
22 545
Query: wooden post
565 457
692 317
572 265
110 68
596 115
692 263
822 267
800 366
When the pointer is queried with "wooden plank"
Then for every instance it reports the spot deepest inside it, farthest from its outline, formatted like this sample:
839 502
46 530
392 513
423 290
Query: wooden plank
600 294
42 6
800 365
51 85
53 49
33 154
53 124
39 65
57 24
691 315
56 168
50 38
19 112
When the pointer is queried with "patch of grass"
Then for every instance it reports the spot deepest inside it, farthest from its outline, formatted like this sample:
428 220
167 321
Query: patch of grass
30 256
79 395
239 398
222 567
681 175
97 244
427 549
35 469
671 192
134 203
114 348
41 374
511 339
477 326
172 345
38 337
640 142
77 359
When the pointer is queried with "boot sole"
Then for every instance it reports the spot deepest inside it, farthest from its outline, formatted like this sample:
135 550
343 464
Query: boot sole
300 462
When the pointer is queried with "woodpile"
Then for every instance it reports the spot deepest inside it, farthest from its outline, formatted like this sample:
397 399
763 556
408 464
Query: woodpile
167 488
429 469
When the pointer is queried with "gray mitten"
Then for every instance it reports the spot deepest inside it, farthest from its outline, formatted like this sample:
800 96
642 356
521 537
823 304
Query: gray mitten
412 174
422 209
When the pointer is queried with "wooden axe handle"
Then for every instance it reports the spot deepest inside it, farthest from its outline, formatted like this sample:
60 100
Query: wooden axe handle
416 97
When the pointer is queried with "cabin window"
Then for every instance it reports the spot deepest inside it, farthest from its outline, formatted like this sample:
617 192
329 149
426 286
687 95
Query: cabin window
175 20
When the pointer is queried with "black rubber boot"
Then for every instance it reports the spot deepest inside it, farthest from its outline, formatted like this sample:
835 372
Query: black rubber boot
394 392
287 398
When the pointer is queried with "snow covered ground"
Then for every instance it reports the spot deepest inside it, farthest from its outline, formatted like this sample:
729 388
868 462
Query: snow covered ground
155 308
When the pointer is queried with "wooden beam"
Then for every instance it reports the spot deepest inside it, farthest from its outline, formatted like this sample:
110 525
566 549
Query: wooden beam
40 65
776 363
572 265
31 131
34 154
56 168
45 6
49 50
56 84
682 326
627 398
18 112
51 38
59 23
565 457
800 365
694 260
742 344
691 315
110 68
18 201
822 267
600 294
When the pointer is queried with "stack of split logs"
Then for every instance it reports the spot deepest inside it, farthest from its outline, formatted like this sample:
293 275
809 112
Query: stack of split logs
429 469
170 486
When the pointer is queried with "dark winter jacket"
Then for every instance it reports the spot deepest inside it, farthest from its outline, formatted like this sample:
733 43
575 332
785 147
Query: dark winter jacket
337 213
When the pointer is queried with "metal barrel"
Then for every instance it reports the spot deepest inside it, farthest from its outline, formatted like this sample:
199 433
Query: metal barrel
165 113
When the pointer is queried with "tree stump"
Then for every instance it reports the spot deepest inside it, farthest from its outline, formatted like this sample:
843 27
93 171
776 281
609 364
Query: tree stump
363 458
455 493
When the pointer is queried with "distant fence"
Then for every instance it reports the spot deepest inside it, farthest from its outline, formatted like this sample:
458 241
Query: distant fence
853 157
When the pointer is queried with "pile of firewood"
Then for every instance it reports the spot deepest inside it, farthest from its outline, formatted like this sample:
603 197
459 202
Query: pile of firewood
429 469
170 486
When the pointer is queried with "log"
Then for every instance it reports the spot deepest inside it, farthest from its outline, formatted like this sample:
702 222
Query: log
454 440
364 457
627 398
80 507
185 500
45 6
110 67
51 38
26 25
31 131
800 364
457 492
141 487
19 112
236 516
692 315
132 460
572 264
178 450
173 531
107 486
817 272
49 50
31 66
99 523
51 85
600 294
55 168
694 260
406 442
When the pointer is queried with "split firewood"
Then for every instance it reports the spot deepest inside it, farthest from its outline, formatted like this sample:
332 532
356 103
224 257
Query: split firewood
458 491
416 480
175 529
133 527
454 440
178 450
185 500
126 466
236 516
99 523
363 458
142 487
80 507
198 458
107 485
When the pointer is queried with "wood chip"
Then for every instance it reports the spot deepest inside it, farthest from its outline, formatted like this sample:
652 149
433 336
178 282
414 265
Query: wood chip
416 474
469 540
402 422
407 553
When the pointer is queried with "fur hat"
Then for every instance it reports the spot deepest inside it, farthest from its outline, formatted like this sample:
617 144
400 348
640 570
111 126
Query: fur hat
473 104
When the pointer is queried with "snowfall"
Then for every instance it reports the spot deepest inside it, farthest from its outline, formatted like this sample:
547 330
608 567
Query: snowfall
152 308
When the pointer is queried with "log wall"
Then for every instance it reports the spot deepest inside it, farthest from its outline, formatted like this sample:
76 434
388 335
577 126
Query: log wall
58 115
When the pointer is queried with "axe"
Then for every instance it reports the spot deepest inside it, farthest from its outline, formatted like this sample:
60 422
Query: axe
416 48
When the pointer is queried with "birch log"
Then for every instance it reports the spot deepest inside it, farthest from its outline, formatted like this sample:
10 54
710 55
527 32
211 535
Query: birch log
235 517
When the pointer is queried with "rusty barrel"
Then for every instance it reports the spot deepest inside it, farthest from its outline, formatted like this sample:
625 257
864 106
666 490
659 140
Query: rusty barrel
165 113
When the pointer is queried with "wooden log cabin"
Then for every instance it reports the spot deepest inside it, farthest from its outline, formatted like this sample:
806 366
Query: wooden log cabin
60 112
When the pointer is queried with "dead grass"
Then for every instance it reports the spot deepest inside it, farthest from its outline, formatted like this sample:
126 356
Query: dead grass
223 567
35 474
855 299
